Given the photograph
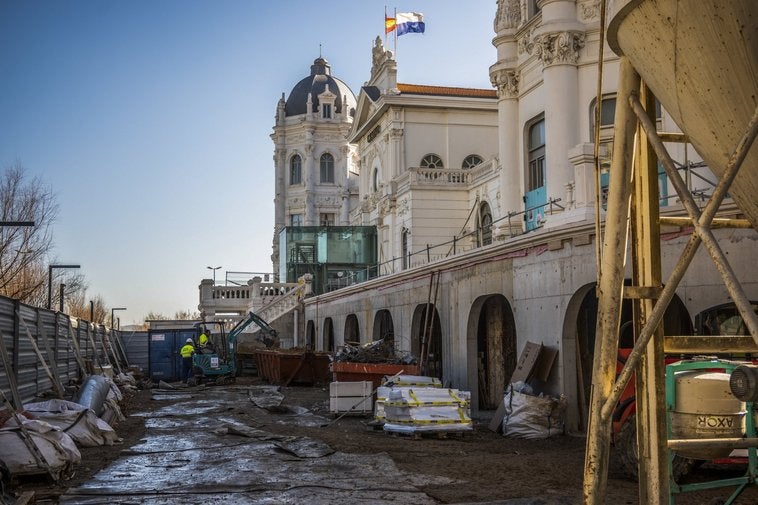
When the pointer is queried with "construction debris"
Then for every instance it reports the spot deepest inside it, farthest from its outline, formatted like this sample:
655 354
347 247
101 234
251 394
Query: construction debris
378 351
530 416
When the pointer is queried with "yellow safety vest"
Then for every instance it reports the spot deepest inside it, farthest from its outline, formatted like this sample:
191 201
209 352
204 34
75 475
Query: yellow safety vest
203 339
187 350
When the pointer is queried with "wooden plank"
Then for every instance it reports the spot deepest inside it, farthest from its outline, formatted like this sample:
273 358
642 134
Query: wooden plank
709 344
10 373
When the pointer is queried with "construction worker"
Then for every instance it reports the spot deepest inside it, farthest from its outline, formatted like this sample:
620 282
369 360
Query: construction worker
202 341
187 350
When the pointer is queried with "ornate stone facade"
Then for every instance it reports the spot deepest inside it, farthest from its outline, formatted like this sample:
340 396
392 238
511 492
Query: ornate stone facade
558 48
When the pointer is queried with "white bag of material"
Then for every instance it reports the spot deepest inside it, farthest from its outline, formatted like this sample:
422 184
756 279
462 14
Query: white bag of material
112 412
528 416
79 422
56 447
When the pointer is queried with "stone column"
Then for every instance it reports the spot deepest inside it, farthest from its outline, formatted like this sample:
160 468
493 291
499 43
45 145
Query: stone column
557 42
311 174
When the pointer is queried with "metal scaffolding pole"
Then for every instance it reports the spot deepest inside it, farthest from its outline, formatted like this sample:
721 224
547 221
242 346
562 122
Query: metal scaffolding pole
610 290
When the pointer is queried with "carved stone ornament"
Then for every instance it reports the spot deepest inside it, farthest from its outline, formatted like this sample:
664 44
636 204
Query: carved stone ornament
590 10
508 15
506 82
380 55
526 42
402 207
558 48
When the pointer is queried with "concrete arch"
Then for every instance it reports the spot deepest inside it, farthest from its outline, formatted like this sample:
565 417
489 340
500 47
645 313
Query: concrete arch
491 349
352 329
578 345
310 335
383 327
328 335
434 357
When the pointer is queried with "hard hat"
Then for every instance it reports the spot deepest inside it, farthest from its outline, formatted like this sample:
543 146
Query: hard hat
189 341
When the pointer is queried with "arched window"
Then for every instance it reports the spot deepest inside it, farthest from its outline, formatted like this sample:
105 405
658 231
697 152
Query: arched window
375 180
405 239
296 171
484 225
327 168
471 161
536 146
431 161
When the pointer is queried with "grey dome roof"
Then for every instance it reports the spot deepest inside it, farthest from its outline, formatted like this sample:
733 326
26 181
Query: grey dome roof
315 84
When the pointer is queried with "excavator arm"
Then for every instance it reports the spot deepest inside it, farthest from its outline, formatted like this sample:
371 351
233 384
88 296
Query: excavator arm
269 336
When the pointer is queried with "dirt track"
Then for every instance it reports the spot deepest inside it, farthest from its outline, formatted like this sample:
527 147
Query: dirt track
479 466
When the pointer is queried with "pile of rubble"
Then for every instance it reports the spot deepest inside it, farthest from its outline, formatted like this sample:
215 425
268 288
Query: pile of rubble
378 351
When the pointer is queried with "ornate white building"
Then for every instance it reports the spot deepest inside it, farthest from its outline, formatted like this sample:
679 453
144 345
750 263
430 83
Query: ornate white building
316 182
489 195
428 167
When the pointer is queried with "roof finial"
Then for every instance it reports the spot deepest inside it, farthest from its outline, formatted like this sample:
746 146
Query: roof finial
319 51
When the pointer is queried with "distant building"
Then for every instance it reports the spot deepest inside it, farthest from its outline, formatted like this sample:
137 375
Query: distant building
316 182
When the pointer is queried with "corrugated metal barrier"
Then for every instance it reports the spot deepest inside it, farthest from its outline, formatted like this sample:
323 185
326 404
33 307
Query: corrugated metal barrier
30 332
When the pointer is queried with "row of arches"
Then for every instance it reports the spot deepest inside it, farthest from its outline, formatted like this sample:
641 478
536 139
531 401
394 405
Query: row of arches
488 352
492 339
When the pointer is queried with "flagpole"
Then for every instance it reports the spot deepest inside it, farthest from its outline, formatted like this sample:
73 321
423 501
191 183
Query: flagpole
385 25
395 32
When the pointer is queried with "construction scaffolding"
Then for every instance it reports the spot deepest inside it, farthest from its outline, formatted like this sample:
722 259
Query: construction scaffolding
664 44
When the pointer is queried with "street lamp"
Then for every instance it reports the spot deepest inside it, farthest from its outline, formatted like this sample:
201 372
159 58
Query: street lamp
50 281
112 318
214 273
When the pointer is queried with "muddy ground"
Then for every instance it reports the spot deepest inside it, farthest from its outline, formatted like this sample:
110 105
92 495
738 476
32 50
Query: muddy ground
479 466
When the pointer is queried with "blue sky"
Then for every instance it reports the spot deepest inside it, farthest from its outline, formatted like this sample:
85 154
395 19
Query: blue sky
151 121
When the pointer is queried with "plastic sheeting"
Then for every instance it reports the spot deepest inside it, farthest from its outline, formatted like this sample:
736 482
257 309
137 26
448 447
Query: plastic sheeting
93 393
528 416
80 423
425 408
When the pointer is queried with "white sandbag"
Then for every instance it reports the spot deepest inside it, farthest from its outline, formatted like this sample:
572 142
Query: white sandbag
112 412
56 447
125 378
114 393
79 422
528 416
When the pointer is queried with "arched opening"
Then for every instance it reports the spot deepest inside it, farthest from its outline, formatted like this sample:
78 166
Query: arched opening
328 335
491 349
383 328
579 345
310 335
352 331
484 225
430 327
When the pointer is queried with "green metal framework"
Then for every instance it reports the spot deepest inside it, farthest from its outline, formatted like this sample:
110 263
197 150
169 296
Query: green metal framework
336 256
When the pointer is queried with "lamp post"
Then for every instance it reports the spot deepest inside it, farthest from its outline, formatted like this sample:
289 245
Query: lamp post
50 281
214 273
112 318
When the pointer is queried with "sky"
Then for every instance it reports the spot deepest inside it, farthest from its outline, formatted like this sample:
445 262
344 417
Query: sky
150 121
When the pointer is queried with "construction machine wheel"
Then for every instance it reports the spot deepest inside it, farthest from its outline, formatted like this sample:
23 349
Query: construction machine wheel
626 448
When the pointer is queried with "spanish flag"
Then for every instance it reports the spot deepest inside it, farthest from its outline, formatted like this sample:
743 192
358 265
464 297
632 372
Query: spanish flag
389 24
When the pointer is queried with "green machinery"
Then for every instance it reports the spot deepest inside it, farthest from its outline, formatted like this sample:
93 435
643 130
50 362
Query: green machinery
743 383
217 362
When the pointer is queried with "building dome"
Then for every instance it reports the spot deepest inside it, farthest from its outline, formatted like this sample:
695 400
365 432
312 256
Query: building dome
320 79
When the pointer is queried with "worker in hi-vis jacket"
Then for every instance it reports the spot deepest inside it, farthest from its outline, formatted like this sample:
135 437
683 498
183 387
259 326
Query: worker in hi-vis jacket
187 350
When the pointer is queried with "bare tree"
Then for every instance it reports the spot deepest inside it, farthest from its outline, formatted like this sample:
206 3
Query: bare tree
23 249
187 315
93 310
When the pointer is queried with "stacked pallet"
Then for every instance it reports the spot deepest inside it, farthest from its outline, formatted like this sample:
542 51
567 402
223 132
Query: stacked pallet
418 404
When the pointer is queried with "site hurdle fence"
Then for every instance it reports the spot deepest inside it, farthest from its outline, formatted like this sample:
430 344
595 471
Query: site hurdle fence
57 337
